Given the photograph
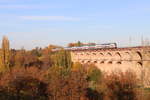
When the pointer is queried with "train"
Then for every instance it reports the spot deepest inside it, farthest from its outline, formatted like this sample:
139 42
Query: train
97 46
89 47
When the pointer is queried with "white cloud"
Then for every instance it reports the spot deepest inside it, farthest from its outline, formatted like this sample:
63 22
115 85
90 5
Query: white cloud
49 18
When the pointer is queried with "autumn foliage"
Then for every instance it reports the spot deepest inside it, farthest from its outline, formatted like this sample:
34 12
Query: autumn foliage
122 86
40 74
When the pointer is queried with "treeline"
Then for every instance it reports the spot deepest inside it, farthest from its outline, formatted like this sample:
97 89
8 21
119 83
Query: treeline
41 58
79 44
41 74
38 57
57 83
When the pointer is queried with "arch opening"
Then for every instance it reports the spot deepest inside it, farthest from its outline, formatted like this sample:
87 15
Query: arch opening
76 53
82 54
87 54
139 64
109 54
118 55
127 56
94 53
139 55
101 54
88 61
119 62
110 62
102 62
95 62
82 61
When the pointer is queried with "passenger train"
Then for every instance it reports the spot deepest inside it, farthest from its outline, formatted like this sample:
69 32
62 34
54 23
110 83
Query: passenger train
97 46
89 47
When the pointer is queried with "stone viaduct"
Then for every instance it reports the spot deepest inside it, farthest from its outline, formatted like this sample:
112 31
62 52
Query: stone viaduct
136 59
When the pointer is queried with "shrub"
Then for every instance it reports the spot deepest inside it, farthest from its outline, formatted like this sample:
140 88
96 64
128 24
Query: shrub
121 86
66 87
22 84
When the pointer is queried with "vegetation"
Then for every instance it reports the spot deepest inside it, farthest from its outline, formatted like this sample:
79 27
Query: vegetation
79 44
41 74
5 54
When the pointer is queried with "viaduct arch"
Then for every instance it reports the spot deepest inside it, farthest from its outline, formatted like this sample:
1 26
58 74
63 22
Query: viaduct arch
108 60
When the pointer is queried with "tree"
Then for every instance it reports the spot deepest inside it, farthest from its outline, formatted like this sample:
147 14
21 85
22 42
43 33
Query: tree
79 44
20 58
62 58
5 54
12 57
121 86
66 87
94 74
36 52
23 84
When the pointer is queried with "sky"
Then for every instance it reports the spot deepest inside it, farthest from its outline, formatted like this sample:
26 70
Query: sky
32 23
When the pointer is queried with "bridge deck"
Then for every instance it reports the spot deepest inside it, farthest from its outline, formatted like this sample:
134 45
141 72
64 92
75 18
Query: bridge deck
115 49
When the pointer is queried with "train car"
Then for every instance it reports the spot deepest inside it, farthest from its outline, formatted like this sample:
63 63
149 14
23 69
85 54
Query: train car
90 47
107 45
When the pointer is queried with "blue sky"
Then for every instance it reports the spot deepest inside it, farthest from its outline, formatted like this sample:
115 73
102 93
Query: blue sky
31 23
